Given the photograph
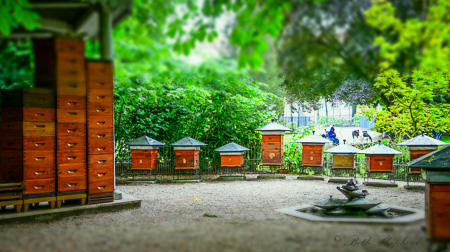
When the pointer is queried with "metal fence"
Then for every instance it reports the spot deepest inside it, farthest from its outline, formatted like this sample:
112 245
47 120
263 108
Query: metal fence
340 121
210 162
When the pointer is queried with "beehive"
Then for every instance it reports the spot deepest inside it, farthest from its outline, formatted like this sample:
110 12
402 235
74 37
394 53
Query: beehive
187 153
231 155
420 146
312 151
380 158
435 168
343 156
144 153
273 143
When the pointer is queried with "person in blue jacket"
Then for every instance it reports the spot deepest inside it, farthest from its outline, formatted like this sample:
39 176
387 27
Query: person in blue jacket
332 136
365 134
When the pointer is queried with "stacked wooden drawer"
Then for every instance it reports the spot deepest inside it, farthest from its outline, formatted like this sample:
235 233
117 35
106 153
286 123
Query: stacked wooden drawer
100 132
60 64
28 143
273 150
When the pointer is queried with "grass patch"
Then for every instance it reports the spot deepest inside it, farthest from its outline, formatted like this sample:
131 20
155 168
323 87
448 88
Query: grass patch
210 215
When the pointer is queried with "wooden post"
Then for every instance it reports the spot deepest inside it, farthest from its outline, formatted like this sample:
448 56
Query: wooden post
106 37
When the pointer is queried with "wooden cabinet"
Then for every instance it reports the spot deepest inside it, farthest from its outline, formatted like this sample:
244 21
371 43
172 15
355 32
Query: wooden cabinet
312 155
272 149
343 161
143 159
187 159
232 160
437 207
379 163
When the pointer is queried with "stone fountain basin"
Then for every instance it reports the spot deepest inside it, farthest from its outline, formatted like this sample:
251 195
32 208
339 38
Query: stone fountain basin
409 215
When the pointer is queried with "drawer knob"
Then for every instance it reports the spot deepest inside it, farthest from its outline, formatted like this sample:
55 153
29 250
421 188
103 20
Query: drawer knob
39 126
39 172
74 72
73 85
39 114
72 113
100 84
71 171
72 103
101 148
39 187
71 145
72 184
71 130
101 187
101 135
101 122
71 157
39 144
101 110
101 161
101 97
39 158
10 144
73 61
101 174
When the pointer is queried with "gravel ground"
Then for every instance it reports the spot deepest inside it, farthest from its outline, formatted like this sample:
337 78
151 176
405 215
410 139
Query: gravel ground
171 219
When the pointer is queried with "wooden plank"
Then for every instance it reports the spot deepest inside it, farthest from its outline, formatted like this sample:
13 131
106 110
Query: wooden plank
71 170
77 102
71 116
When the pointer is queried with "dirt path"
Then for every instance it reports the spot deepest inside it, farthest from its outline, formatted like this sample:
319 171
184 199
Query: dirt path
171 219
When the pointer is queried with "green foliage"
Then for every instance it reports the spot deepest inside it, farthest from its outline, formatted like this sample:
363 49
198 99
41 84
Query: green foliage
15 13
293 150
337 121
15 65
212 108
412 109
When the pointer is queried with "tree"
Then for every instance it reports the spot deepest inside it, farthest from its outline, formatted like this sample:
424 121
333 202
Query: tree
419 97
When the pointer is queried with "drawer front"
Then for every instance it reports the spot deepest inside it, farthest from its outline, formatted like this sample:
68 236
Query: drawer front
269 138
11 129
100 174
72 170
39 186
71 87
11 143
12 114
71 157
59 45
100 147
100 135
313 147
38 114
100 95
272 157
186 159
71 116
39 143
70 60
38 129
72 184
38 158
106 83
101 161
77 102
71 143
100 122
39 172
72 74
271 146
232 161
13 157
100 71
101 186
30 98
143 159
100 109
11 173
71 130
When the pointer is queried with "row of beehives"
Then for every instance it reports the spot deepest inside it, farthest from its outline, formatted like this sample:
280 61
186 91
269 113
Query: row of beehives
379 157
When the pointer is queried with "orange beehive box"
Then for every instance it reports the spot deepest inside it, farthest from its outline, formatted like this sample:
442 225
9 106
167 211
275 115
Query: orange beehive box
312 151
380 158
231 155
273 143
187 153
144 153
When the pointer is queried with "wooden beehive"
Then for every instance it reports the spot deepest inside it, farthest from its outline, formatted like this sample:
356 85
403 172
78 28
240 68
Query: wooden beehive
187 153
312 151
273 144
144 153
380 158
100 131
420 146
343 161
231 155
28 141
436 173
